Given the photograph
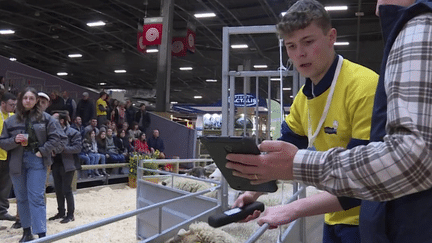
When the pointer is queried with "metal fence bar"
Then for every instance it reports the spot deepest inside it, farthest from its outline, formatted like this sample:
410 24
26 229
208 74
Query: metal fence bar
178 175
258 233
288 230
178 226
164 161
264 227
93 225
103 166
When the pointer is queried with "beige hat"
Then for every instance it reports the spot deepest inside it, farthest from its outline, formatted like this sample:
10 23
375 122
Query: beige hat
85 94
43 95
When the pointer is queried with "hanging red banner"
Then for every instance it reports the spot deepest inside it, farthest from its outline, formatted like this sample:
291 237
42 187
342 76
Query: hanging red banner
190 40
140 46
152 34
178 47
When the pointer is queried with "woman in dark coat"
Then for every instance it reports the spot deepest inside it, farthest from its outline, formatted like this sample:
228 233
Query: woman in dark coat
63 169
30 136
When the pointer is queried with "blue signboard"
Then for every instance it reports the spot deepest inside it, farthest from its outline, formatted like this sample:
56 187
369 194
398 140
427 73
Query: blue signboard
240 100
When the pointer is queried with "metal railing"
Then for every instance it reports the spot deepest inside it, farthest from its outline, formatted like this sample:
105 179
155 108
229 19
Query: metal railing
160 205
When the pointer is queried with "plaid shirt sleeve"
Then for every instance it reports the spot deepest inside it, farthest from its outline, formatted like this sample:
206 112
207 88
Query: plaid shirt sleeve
402 163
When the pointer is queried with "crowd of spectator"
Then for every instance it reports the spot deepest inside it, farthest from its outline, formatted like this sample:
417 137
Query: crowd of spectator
111 130
83 133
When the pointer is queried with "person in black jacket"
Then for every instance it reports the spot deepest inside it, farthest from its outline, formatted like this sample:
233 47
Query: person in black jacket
156 143
130 112
142 117
85 109
63 169
57 103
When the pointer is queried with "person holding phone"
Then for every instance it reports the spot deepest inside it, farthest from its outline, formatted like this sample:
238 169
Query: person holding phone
30 136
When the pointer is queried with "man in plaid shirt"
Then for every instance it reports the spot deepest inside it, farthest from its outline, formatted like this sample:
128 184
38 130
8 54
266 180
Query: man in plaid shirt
393 173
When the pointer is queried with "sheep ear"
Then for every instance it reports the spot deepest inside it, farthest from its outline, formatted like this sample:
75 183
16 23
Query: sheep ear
182 232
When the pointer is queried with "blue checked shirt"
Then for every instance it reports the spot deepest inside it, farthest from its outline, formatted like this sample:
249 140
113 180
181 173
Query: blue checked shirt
402 164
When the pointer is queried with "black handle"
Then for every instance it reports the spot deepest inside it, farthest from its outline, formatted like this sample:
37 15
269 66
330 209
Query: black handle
234 214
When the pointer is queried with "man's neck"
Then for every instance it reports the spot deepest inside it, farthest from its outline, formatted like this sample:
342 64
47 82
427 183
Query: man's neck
316 80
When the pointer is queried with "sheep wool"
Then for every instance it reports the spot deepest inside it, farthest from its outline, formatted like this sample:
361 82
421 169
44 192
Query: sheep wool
203 233
191 185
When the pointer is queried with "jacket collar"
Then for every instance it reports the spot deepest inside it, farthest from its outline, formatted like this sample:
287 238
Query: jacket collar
324 83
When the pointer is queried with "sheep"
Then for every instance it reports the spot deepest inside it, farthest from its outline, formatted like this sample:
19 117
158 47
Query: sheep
240 232
216 175
202 172
190 185
197 172
203 233
209 169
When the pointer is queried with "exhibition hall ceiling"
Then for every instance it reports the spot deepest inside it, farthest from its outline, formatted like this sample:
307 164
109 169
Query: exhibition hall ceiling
47 31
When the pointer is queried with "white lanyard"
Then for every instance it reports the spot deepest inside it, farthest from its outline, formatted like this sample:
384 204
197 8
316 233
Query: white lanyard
311 137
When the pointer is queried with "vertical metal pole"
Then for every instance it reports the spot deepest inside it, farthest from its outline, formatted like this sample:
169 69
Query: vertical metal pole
160 219
358 30
269 108
164 60
281 83
244 105
257 111
231 106
225 66
303 232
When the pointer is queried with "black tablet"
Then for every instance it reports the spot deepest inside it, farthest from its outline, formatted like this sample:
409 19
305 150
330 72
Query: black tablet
219 147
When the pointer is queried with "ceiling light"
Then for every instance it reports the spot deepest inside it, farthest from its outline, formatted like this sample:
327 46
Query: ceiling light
120 71
328 8
211 80
174 102
341 43
239 46
275 79
95 24
336 8
286 89
186 68
13 59
6 32
74 55
102 84
291 96
197 97
152 50
260 66
62 74
204 15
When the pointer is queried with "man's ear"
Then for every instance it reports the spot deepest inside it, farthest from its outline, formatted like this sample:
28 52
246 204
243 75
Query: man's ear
332 35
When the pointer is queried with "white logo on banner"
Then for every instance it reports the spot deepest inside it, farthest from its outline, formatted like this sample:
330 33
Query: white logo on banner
140 42
191 40
152 34
177 46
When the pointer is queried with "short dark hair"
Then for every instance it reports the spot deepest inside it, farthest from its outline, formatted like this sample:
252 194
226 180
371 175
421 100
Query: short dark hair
102 93
8 96
303 13
64 116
